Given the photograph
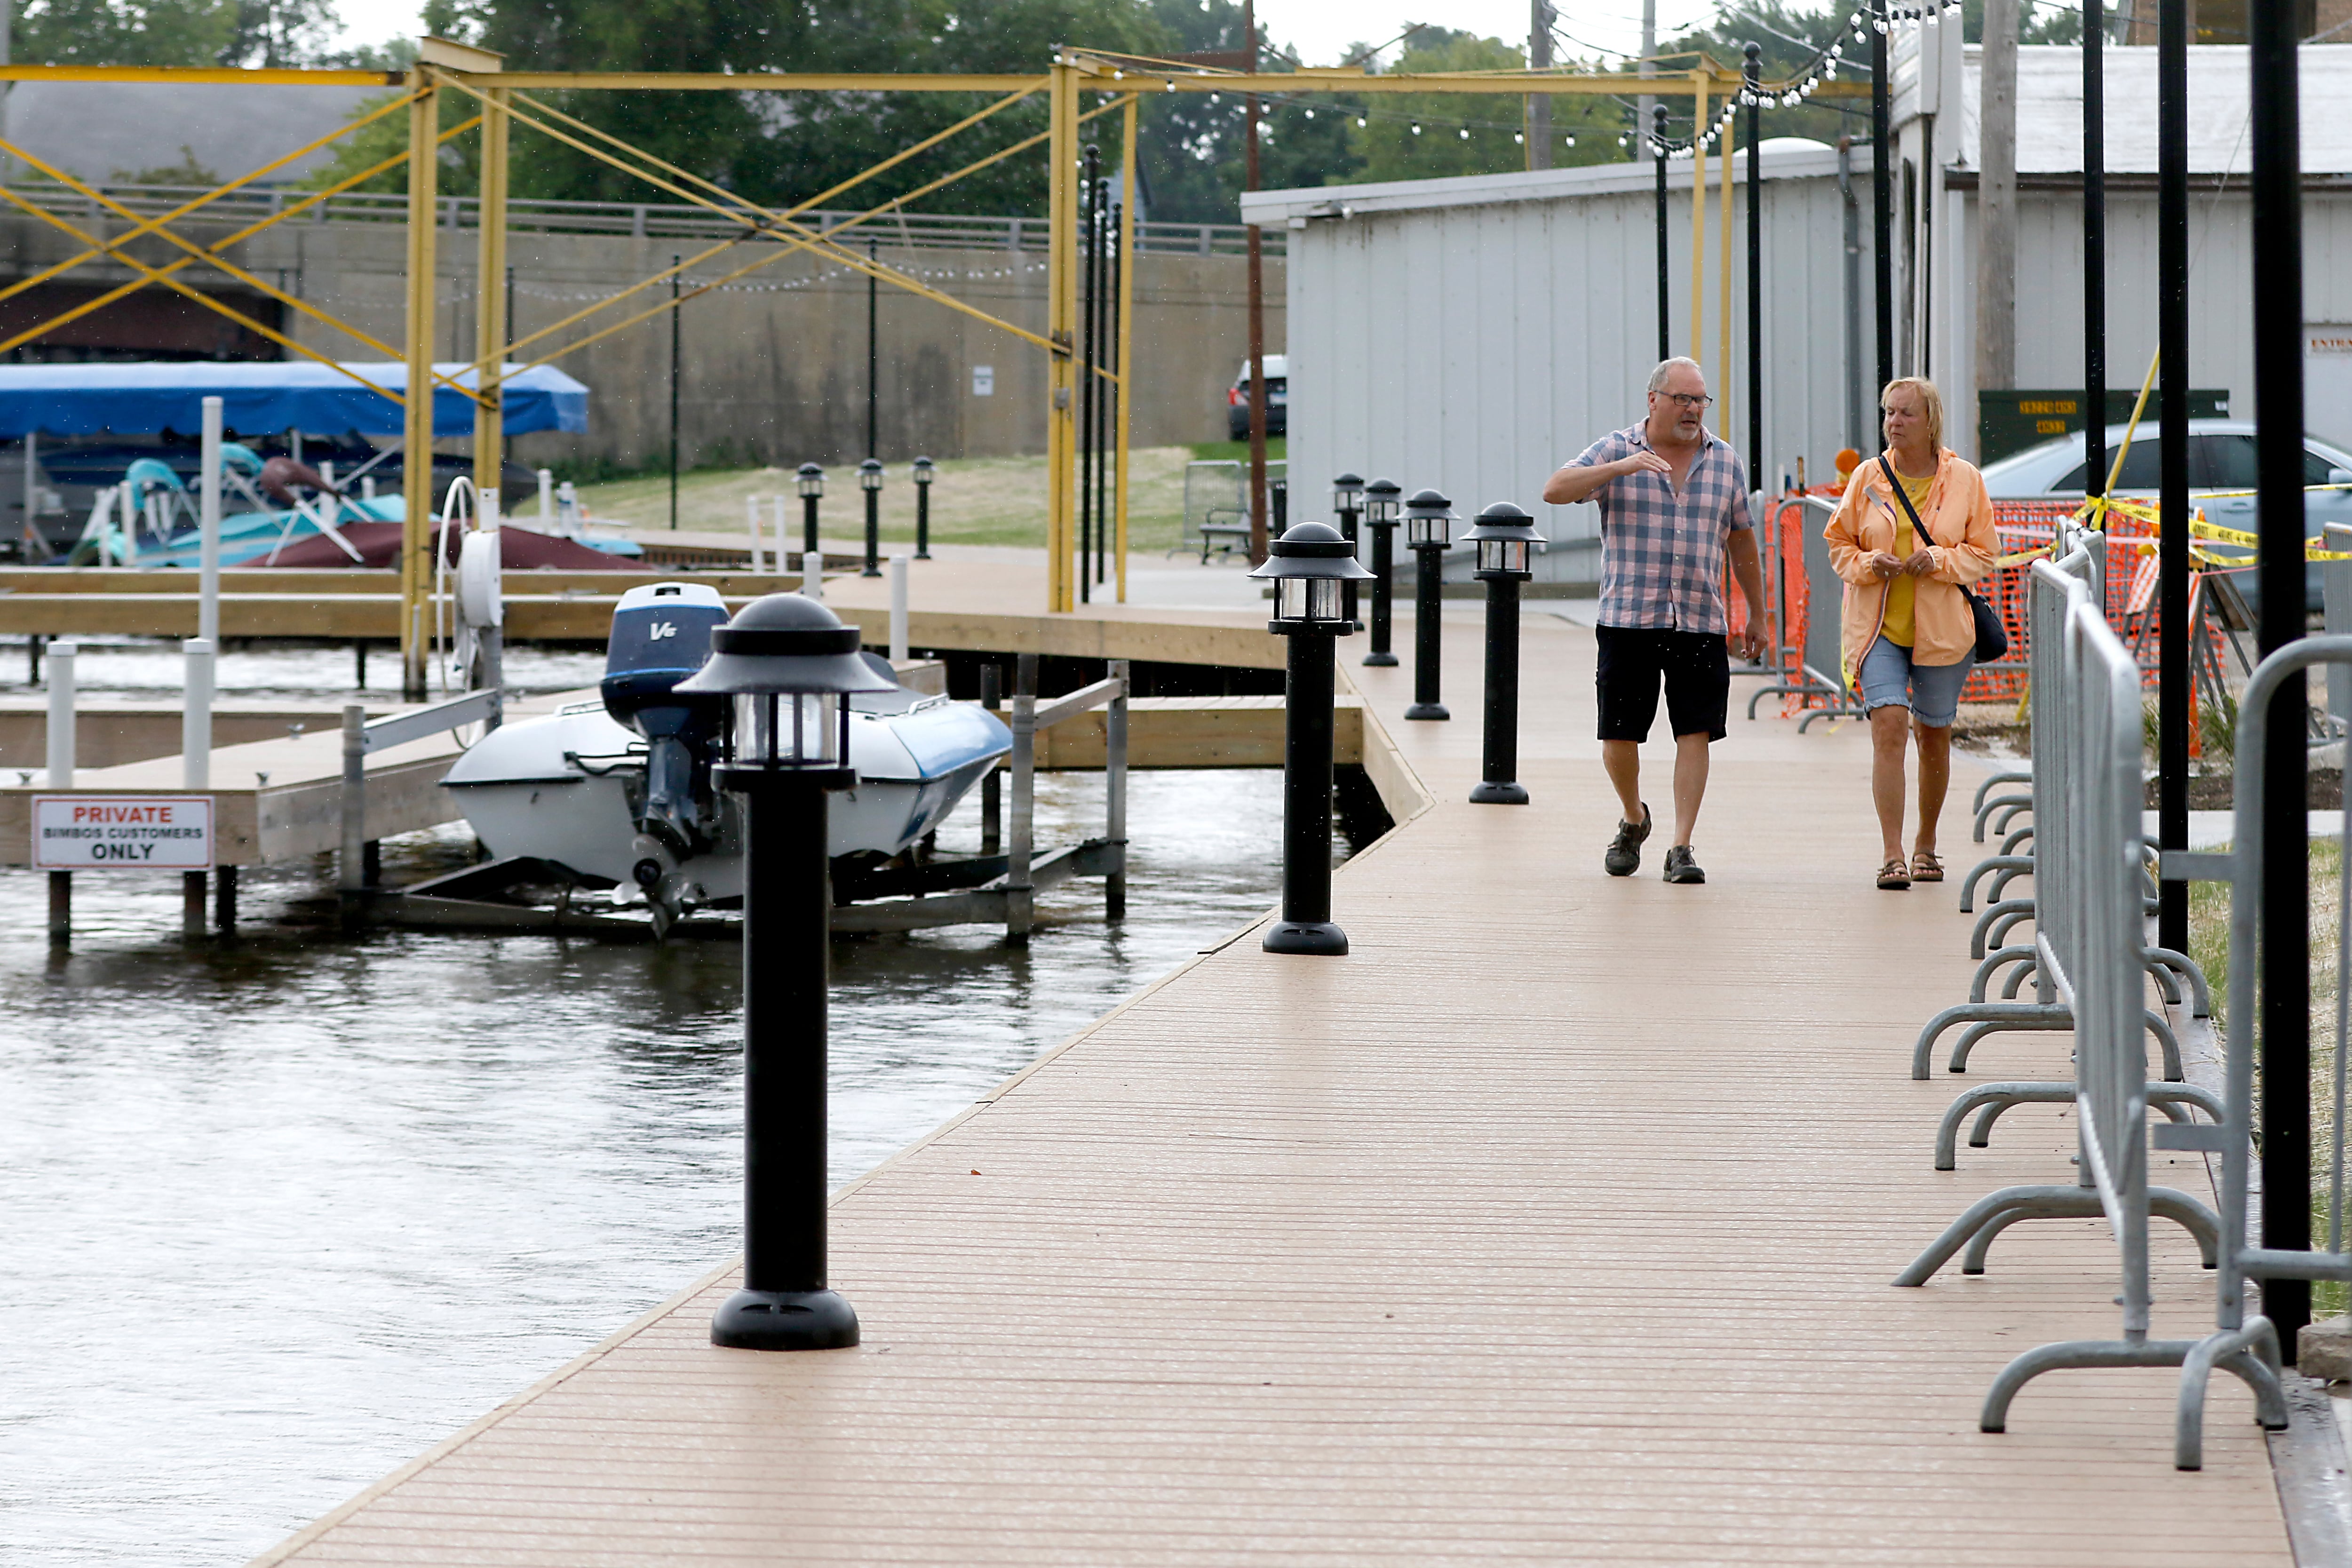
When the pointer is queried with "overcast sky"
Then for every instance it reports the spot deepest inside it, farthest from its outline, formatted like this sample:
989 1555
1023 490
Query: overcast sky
1321 30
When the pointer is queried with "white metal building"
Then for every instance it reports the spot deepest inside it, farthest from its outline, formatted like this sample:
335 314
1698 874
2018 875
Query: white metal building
1472 333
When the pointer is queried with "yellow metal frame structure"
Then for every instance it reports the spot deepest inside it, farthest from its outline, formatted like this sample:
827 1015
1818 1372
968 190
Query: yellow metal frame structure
504 98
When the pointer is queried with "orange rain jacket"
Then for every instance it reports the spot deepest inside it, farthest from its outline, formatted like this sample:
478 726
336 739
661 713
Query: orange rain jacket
1959 516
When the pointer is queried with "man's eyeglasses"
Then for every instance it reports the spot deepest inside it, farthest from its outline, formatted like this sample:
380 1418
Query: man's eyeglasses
1691 400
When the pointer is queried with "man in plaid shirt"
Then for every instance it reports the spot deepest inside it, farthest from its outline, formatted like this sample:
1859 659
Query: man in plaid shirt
1673 508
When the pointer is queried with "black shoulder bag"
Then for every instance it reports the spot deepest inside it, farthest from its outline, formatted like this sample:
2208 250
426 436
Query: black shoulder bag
1992 638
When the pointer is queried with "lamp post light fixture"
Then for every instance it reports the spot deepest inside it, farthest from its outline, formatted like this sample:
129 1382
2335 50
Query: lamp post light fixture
1428 517
925 472
1310 564
1383 499
1347 501
1505 538
790 667
811 487
870 480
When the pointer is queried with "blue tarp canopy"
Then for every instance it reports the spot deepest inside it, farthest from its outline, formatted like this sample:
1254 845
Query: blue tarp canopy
143 398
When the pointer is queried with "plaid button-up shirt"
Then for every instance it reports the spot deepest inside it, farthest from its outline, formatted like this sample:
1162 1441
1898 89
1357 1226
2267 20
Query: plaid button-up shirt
1662 553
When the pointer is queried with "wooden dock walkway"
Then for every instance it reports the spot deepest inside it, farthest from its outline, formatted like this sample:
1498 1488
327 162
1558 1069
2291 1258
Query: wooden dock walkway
1554 1224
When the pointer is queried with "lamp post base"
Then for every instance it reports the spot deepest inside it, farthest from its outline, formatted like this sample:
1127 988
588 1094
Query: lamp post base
1317 937
1490 793
1427 710
784 1321
1379 660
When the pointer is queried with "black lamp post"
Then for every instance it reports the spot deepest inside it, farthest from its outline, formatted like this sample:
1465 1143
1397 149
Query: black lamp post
1347 501
1384 500
1427 517
924 473
1505 538
870 480
790 665
812 485
1310 564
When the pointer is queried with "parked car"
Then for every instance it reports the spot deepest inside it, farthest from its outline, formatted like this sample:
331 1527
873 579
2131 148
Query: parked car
2221 458
1277 399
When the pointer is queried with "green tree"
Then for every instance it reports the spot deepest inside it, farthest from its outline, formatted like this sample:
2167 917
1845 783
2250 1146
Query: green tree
123 32
1190 145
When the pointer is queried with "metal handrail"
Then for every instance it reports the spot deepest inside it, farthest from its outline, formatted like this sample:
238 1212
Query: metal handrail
635 220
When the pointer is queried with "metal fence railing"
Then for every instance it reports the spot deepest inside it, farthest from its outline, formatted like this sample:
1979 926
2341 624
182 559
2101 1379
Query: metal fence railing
2236 1333
640 220
2090 961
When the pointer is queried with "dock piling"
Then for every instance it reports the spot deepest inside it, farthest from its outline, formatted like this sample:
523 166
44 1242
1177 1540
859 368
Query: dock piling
991 788
62 776
1115 794
899 570
350 865
208 526
1020 897
195 754
224 900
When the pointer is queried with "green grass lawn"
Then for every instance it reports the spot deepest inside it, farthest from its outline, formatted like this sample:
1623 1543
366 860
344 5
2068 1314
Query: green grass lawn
2208 944
975 501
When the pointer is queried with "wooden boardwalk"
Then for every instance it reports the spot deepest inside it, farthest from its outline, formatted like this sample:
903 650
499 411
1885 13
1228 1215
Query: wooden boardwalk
1554 1225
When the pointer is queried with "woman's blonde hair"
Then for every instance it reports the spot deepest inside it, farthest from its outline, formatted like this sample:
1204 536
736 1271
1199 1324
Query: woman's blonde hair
1931 403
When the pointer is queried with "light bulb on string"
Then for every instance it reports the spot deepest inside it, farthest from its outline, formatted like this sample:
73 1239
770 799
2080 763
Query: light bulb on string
1572 139
1518 137
1416 128
1465 133
1359 122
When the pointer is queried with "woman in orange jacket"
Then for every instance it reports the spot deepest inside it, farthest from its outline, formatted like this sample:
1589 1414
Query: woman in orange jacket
1908 633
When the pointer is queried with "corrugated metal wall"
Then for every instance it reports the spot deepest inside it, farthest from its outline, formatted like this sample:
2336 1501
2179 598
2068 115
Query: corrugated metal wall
1474 348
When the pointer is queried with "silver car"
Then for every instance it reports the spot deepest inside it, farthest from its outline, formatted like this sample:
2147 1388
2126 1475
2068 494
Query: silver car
2221 458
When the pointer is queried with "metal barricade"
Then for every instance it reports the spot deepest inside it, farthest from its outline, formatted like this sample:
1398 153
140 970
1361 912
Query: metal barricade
2091 952
2087 749
2237 1336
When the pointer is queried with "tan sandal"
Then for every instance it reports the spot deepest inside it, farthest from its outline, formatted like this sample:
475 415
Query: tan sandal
1926 867
1893 878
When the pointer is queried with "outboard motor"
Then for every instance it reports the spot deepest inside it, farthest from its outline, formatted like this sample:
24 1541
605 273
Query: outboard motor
661 635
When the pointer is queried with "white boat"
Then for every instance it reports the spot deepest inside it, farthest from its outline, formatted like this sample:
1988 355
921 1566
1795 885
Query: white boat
618 792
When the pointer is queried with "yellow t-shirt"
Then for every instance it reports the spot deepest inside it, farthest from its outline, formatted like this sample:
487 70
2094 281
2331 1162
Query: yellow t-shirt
1901 592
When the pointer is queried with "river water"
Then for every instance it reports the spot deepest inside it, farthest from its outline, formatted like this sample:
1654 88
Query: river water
279 1213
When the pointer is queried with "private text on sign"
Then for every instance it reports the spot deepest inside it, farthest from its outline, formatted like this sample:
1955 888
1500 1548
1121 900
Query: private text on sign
120 832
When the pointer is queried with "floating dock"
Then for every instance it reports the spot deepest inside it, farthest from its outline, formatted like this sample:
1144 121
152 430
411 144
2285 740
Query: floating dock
1553 1224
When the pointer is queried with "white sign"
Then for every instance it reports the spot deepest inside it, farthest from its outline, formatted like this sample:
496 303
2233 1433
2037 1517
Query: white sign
123 831
2328 383
984 381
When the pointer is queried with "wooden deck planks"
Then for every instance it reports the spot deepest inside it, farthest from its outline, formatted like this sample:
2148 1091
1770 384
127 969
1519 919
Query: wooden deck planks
1551 1225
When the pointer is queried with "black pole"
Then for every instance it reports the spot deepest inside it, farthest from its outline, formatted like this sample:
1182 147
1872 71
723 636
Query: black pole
1384 592
1755 74
1306 924
674 261
923 522
1882 196
787 941
1658 141
865 478
873 353
1498 780
2172 458
1428 635
991 788
1089 259
808 525
1349 517
2095 250
2279 503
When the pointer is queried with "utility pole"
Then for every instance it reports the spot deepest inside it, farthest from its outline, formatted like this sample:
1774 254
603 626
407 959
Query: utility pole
1539 103
1995 301
1258 396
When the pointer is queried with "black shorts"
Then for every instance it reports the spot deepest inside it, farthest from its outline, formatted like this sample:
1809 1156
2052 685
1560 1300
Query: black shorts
1694 666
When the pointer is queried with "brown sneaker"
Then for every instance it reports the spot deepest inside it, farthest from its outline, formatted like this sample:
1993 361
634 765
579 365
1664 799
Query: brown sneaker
1624 856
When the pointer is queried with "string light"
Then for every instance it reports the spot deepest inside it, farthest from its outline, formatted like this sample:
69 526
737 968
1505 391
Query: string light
1465 133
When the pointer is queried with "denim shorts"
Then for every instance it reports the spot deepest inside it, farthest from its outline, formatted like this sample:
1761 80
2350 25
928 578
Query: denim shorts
1932 691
